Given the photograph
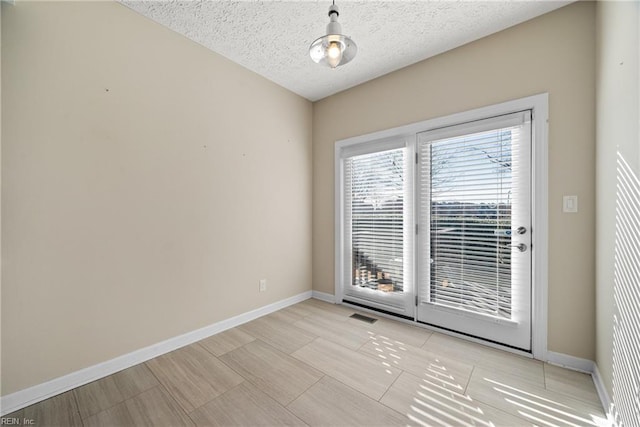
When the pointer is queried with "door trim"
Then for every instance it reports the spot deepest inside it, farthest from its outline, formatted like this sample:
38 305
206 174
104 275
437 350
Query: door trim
539 104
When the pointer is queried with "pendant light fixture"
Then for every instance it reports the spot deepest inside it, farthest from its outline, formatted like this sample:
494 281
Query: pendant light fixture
334 48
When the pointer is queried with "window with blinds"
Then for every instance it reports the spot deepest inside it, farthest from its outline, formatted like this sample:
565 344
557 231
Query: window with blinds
468 194
375 206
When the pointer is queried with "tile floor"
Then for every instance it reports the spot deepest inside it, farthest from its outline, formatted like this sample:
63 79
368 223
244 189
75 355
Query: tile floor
310 364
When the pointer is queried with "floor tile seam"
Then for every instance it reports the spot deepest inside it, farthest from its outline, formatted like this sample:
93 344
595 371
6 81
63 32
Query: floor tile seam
243 329
441 389
468 378
466 387
306 389
546 411
389 388
170 396
253 377
297 357
328 374
358 391
212 399
368 356
594 404
306 365
349 335
227 351
591 402
502 411
499 410
249 378
378 400
306 330
303 332
402 324
166 389
307 344
479 399
75 398
304 316
455 357
235 387
515 375
373 356
219 359
405 416
158 383
124 401
364 343
596 401
234 371
219 356
292 413
319 320
413 348
428 339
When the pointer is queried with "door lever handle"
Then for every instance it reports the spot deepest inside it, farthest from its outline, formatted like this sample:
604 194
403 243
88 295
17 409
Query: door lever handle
520 246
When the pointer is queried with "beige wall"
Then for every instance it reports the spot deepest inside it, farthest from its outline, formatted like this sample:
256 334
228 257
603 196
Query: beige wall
147 185
618 132
553 53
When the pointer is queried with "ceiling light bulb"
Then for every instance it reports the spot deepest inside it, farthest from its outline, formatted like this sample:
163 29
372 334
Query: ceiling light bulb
334 54
333 49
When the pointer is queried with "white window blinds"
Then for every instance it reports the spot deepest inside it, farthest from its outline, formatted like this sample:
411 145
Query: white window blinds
374 188
468 184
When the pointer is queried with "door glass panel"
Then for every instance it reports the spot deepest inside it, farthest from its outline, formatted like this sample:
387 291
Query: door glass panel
470 221
375 183
474 190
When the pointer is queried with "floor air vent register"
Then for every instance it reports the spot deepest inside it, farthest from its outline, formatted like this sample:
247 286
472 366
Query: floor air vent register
363 318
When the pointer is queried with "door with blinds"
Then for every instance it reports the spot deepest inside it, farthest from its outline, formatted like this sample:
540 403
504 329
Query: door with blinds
378 226
473 192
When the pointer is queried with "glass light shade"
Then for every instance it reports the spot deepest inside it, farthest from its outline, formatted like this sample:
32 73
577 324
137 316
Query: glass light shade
333 50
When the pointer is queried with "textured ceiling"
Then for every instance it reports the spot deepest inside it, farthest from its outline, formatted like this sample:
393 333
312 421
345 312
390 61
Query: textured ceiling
272 38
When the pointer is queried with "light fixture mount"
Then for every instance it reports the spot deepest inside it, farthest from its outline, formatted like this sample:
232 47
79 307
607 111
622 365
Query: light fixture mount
333 49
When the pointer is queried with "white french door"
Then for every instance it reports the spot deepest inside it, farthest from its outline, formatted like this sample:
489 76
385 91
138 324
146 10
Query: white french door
434 223
474 214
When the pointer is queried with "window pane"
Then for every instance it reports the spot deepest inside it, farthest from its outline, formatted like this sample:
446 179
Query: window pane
471 197
375 183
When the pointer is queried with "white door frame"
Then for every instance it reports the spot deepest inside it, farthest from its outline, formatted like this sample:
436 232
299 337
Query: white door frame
539 105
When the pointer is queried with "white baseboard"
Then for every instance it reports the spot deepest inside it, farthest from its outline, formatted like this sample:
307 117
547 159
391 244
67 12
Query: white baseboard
603 394
40 392
570 362
588 367
323 296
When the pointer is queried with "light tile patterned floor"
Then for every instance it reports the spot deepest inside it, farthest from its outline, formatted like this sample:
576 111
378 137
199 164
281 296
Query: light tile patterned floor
310 364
